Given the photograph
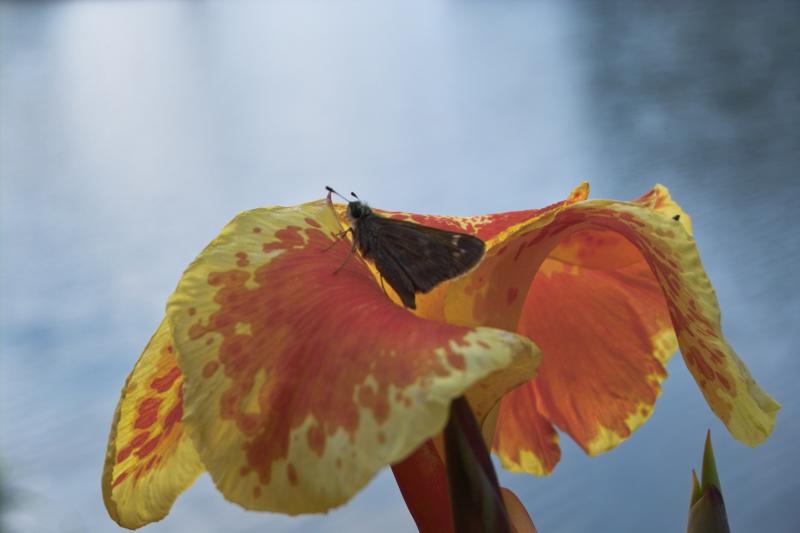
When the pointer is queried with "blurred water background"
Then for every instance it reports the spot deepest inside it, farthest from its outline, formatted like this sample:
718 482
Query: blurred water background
130 132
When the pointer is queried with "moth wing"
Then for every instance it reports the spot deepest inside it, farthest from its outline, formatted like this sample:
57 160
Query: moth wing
428 256
396 277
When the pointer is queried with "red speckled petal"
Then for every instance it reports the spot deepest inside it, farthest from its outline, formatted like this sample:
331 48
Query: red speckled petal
150 460
301 383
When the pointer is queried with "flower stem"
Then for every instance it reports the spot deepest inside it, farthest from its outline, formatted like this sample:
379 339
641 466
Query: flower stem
422 480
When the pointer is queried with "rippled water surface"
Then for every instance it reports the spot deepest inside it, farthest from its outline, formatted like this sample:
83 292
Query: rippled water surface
130 132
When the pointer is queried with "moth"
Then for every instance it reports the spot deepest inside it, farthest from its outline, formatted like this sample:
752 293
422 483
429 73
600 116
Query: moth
411 257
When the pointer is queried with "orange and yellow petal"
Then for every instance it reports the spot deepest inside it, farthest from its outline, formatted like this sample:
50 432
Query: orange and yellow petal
600 316
302 379
607 337
149 460
615 281
747 411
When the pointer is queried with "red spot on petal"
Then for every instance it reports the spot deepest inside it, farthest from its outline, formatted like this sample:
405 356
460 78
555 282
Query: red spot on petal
288 237
312 222
174 416
147 413
210 368
256 492
148 447
291 474
192 311
724 381
163 383
695 360
256 230
197 330
241 259
137 441
456 360
316 439
381 437
120 479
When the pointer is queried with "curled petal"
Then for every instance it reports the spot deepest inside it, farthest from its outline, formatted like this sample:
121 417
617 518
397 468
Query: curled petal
302 377
595 310
599 313
149 460
747 411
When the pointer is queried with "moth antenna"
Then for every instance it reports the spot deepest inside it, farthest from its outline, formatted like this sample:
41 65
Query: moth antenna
330 189
354 195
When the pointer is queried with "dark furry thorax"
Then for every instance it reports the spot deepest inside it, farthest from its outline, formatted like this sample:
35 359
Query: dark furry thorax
357 211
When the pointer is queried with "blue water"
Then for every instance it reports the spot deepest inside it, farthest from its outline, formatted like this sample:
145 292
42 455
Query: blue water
130 132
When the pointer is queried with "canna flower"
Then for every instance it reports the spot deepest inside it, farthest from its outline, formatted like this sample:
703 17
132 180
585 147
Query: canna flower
293 387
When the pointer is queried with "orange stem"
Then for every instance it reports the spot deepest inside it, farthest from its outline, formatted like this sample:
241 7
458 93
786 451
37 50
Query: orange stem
422 478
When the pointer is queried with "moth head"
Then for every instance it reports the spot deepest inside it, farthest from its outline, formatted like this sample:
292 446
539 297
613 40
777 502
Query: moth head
357 210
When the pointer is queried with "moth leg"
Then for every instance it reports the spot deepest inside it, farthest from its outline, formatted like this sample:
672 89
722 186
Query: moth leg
351 254
339 237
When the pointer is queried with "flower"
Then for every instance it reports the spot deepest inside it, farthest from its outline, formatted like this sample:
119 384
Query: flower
292 387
